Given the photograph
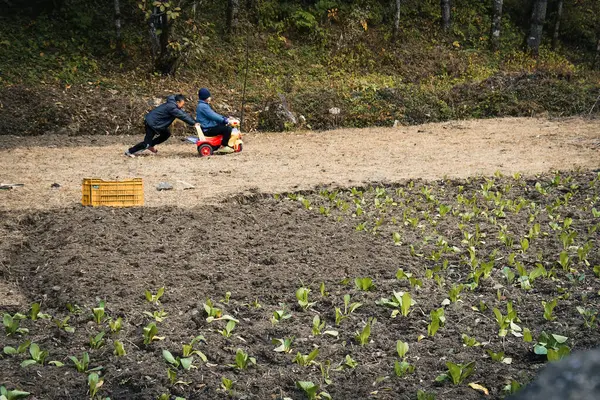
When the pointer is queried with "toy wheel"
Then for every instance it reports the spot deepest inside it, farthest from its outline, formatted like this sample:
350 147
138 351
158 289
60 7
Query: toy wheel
205 150
239 148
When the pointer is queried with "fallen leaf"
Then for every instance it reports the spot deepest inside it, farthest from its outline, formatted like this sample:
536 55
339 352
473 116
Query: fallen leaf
477 386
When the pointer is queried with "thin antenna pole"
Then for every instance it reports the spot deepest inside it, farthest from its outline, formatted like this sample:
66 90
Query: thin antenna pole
245 82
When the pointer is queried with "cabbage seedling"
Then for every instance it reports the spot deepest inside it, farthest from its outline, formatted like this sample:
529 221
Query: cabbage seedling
227 385
302 297
19 350
35 313
6 394
403 368
150 333
589 316
437 320
119 349
285 345
82 365
552 346
211 311
280 315
63 324
158 316
549 309
97 341
364 284
457 372
507 323
312 391
469 341
37 356
12 324
362 337
99 313
94 384
401 300
349 308
499 357
242 360
318 326
185 363
228 329
188 349
306 360
422 395
115 325
154 298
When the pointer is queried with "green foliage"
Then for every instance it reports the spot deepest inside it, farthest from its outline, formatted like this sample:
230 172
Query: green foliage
99 313
12 324
183 362
306 360
115 325
37 356
302 297
437 320
97 341
552 346
549 308
362 337
8 350
150 333
364 284
94 384
401 301
243 360
14 394
312 391
280 315
154 298
457 372
285 345
119 349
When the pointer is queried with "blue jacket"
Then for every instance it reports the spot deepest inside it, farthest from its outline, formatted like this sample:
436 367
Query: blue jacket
164 115
207 117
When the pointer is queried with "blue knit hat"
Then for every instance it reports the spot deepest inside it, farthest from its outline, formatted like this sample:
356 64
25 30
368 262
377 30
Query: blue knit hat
203 94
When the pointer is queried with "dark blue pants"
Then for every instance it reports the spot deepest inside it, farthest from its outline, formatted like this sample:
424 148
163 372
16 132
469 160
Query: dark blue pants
152 138
219 130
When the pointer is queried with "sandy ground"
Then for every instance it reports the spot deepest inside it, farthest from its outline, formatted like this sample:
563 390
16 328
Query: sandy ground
279 162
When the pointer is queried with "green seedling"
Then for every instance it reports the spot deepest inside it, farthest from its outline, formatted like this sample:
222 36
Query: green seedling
322 290
325 367
172 375
10 351
12 324
83 364
527 338
507 323
512 387
364 284
403 368
73 308
97 341
349 308
212 311
6 394
347 362
564 260
154 298
158 316
227 385
597 270
589 316
115 325
242 360
99 313
549 309
254 304
119 350
302 297
437 320
552 346
306 360
228 329
285 345
469 341
397 239
499 357
401 301
150 333
312 391
227 298
422 395
188 349
280 315
454 293
63 324
567 237
457 373
34 312
362 337
94 384
401 348
37 356
318 326
185 363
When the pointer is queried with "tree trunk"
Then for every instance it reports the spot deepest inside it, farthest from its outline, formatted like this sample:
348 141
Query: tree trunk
559 13
118 27
598 55
538 16
164 60
233 7
445 14
396 21
496 24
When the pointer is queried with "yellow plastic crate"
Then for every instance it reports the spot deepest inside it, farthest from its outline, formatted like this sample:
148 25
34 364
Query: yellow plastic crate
128 193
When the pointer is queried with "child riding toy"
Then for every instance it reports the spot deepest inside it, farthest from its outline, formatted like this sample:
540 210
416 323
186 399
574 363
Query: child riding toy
207 145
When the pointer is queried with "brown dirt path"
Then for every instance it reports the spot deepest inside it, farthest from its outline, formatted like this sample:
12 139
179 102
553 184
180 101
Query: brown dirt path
279 162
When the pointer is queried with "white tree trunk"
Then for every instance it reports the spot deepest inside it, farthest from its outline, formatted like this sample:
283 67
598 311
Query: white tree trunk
397 20
496 24
538 16
559 13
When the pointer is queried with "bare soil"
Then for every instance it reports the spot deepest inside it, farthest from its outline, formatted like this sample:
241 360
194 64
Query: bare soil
262 248
295 161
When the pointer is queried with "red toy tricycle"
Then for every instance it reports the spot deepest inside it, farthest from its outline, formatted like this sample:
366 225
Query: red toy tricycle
207 145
